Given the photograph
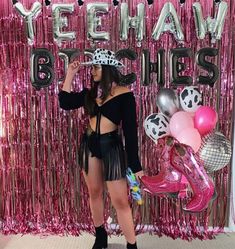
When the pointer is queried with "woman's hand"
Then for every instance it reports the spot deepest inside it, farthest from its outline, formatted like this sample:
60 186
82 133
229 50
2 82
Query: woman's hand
139 174
71 71
73 67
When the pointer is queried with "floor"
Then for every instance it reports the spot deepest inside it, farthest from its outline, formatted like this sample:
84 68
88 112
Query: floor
85 241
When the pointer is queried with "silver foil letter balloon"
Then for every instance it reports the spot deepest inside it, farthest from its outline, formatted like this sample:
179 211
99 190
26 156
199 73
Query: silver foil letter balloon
60 22
28 16
214 26
93 21
174 27
136 22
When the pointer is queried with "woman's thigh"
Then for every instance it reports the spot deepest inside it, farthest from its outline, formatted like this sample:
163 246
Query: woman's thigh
94 179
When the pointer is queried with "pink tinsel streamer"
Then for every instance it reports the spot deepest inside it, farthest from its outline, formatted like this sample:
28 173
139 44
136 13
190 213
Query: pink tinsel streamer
41 187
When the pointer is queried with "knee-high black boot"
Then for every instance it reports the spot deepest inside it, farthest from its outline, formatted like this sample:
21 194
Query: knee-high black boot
101 240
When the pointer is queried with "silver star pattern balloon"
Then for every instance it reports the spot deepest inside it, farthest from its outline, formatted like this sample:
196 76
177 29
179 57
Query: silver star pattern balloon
215 151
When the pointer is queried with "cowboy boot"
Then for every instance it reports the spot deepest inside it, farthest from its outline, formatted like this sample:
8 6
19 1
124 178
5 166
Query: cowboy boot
168 181
101 240
186 161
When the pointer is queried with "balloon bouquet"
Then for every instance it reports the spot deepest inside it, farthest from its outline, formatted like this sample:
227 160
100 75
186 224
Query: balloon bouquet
187 146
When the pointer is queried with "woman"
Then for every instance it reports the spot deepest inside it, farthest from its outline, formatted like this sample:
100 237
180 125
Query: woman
102 156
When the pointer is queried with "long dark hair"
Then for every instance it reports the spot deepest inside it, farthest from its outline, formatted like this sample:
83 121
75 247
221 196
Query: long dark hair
110 74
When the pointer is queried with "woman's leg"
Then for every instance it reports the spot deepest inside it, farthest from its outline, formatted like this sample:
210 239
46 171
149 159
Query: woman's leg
119 197
95 183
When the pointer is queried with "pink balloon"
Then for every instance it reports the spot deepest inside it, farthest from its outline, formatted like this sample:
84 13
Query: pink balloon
190 137
205 119
179 122
192 114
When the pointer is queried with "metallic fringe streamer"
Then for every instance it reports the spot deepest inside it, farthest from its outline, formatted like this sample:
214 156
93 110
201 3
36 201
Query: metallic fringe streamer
41 187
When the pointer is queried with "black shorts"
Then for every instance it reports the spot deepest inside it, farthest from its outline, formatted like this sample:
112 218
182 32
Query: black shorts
108 147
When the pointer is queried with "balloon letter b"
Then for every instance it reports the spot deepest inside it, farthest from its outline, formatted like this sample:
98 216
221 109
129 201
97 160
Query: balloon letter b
41 67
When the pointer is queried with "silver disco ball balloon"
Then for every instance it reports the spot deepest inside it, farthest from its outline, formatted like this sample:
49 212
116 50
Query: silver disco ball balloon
215 151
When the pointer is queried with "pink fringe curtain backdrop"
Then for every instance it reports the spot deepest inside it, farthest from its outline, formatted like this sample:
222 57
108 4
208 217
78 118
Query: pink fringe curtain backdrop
41 187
